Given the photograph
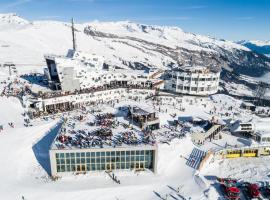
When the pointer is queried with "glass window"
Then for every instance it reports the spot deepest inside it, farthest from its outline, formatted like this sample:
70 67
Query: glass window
141 158
57 155
127 152
73 168
108 159
113 153
82 160
132 158
137 152
58 168
98 166
57 161
93 160
67 155
123 153
63 168
87 160
68 161
78 160
127 158
122 165
62 155
82 154
88 154
98 160
78 155
72 155
92 154
102 153
132 152
137 158
108 153
127 165
62 161
93 167
102 166
102 160
88 167
117 165
142 152
68 168
72 160
97 154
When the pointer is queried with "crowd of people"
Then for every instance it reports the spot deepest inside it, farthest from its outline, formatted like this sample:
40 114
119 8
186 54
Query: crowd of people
103 131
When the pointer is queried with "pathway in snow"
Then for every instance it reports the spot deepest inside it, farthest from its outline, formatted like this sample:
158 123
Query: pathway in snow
195 158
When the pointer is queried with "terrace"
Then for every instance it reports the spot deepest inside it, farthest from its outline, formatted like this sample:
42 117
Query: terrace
99 131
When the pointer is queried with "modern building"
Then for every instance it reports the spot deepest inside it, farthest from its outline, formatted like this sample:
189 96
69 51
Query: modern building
95 149
145 118
259 130
81 71
193 81
50 103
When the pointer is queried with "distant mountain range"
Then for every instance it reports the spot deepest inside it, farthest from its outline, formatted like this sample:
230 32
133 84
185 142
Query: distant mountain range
127 45
262 47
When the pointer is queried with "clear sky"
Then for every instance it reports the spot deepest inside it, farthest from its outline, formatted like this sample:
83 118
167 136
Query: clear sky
228 19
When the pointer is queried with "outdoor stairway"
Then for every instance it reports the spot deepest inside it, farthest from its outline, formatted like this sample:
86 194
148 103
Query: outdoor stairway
195 158
214 130
157 73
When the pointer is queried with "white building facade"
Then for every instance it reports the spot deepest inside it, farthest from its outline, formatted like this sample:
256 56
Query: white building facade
193 81
79 71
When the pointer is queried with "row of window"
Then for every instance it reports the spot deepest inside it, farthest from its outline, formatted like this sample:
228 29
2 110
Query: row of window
182 78
83 160
107 166
200 89
103 153
266 139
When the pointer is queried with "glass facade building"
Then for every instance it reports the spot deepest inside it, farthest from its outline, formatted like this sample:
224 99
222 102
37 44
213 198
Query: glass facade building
87 160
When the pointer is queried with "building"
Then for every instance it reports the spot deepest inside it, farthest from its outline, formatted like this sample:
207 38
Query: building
56 102
145 118
193 81
81 71
81 148
257 129
248 106
244 128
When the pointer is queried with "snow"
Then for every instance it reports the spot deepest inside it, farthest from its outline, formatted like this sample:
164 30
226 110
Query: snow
24 150
259 43
133 42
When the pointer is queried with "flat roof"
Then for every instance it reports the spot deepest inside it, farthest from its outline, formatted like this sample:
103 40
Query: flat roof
141 111
99 131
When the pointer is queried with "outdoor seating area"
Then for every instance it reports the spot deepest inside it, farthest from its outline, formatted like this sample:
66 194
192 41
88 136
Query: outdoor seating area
104 131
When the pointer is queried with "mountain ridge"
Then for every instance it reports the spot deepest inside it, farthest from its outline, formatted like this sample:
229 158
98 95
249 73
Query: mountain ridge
126 44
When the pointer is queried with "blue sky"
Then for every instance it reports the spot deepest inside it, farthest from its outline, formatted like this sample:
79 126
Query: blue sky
228 19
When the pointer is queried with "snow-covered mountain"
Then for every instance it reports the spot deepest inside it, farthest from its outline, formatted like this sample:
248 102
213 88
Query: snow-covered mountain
262 47
124 44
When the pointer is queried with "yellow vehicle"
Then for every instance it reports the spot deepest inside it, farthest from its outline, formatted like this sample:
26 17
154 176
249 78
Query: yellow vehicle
233 154
250 153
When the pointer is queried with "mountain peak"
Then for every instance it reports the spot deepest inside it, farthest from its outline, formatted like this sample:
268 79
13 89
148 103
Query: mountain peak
12 18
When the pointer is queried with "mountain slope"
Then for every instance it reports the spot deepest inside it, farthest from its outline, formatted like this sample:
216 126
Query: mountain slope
125 44
262 47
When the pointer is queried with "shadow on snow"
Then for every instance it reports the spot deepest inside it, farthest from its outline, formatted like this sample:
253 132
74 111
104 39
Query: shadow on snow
42 147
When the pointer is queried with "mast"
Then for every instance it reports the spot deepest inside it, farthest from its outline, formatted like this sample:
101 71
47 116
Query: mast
73 35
